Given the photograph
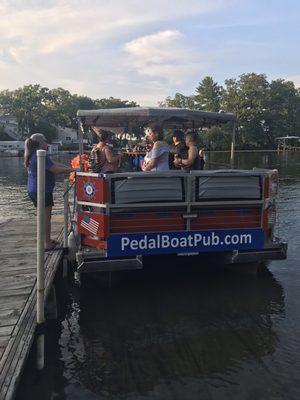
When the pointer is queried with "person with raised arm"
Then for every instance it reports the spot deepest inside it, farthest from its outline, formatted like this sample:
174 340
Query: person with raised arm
102 159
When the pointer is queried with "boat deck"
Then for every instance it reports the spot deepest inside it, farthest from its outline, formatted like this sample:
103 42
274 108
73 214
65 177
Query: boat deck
18 295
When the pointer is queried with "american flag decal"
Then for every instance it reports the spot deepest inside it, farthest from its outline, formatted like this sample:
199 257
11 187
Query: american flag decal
89 224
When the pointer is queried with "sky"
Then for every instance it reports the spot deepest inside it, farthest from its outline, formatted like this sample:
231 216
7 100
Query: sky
145 50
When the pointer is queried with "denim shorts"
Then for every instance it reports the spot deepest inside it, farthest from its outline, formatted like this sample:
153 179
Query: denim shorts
48 199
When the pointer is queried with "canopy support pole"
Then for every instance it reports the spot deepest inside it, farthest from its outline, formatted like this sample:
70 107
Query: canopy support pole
80 140
232 146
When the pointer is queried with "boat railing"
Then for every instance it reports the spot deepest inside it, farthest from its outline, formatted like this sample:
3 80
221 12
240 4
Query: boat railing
172 189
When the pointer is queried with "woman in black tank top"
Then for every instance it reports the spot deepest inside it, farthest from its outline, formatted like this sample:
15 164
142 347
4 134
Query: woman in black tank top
193 161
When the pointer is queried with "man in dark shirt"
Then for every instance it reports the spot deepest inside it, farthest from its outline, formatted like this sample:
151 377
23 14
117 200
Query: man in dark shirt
177 149
192 161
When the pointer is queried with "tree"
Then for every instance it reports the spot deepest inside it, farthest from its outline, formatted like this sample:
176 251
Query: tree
65 105
216 137
112 102
179 101
248 99
40 109
230 101
4 135
282 108
29 106
297 112
208 95
6 100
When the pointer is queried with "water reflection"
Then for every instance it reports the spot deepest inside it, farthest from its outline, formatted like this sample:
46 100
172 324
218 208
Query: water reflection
14 201
151 330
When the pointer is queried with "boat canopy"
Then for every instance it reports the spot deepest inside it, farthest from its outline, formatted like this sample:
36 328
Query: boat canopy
142 116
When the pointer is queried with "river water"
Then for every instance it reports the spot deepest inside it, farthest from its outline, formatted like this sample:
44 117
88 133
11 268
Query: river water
190 333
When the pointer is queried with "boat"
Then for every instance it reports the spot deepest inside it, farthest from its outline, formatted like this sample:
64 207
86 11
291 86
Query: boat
11 153
124 218
288 143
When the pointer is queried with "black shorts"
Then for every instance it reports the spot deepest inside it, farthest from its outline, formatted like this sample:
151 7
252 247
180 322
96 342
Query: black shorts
48 199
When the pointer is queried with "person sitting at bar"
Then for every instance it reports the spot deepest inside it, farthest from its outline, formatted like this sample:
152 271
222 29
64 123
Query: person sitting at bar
156 159
102 158
35 142
177 149
192 162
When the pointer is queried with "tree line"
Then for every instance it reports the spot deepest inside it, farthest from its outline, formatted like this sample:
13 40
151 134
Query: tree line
39 109
264 110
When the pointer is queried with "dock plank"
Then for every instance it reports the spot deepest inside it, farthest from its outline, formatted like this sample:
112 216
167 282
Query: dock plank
18 296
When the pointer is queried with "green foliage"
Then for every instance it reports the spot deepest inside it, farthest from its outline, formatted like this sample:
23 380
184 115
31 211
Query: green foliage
208 95
111 102
248 98
39 109
264 110
28 105
3 135
282 109
216 137
47 129
179 101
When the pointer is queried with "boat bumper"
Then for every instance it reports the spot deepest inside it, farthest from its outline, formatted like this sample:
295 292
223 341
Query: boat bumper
98 262
87 265
278 251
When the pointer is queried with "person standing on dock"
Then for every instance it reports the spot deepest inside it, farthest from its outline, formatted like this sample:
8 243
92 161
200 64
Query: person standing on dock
37 141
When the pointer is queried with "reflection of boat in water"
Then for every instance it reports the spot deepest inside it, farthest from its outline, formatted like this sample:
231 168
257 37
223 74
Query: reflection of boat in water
173 328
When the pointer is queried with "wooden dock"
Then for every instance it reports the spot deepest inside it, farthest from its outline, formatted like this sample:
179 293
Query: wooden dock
18 295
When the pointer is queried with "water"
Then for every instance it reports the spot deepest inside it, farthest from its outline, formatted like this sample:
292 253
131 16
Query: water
14 201
184 334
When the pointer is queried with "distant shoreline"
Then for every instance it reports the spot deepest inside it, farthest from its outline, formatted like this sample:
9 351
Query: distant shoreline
251 151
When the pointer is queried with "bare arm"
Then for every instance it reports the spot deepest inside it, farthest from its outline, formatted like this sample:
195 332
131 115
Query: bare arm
152 163
192 154
110 157
60 164
58 168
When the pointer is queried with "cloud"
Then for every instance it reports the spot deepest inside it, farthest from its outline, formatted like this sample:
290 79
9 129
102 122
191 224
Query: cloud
62 23
156 48
167 56
98 47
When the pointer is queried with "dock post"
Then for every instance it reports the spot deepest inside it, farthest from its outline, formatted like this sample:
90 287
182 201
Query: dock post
40 306
232 146
66 215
